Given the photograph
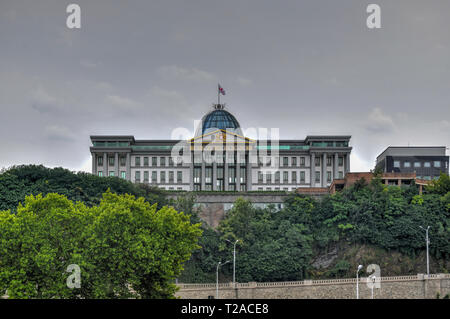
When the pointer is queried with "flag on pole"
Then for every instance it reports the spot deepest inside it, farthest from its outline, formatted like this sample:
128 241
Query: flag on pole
221 90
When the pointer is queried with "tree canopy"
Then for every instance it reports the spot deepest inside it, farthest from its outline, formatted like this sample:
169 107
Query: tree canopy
125 247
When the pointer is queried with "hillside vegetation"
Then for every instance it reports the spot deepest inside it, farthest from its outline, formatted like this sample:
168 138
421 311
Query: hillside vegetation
308 238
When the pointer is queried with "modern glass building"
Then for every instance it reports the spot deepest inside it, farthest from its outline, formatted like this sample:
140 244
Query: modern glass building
220 158
427 162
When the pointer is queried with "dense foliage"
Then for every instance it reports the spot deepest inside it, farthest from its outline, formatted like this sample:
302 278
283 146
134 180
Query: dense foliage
279 245
20 181
124 247
274 245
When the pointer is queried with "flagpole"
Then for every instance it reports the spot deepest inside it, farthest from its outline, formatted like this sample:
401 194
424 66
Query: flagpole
218 93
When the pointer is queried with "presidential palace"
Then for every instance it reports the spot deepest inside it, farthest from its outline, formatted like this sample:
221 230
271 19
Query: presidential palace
220 158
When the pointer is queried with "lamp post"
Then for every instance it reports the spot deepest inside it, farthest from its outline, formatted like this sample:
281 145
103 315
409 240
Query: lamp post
427 241
373 283
217 277
234 260
357 281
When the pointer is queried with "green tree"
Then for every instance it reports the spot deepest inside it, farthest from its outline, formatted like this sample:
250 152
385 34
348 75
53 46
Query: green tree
125 248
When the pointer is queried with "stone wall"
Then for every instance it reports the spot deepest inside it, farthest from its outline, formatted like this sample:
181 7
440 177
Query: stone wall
399 287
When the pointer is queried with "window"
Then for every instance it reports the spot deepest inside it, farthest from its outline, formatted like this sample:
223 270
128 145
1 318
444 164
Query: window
179 188
426 164
170 161
197 175
162 177
162 161
294 177
269 177
137 161
111 173
260 177
179 161
294 161
317 177
329 160
111 161
243 175
145 161
397 164
285 177
137 176
154 161
302 177
277 177
407 164
179 177
341 161
260 188
302 161
123 174
341 174
285 161
123 161
100 173
154 177
417 164
146 177
243 187
208 175
100 161
171 176
232 176
437 164
328 176
268 188
317 161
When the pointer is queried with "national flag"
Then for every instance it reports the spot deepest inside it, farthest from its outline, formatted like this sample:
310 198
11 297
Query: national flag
221 90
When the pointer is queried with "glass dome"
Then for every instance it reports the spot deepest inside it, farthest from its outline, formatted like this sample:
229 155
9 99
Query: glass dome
218 119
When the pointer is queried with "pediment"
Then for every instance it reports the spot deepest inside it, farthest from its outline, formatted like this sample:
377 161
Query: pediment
221 136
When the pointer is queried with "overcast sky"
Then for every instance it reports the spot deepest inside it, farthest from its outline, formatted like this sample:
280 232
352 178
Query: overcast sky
143 68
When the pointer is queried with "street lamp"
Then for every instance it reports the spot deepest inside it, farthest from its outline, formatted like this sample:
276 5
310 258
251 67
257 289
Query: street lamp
357 281
234 261
373 283
428 241
217 277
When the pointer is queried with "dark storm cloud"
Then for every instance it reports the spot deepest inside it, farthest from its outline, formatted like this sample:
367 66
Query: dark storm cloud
146 67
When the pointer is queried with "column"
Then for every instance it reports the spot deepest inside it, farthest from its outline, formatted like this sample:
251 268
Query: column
336 166
94 164
238 175
202 179
128 166
225 175
324 170
191 172
347 163
116 164
312 174
249 174
105 164
214 176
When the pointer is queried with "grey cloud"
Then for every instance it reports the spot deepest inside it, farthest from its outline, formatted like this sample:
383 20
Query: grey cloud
145 67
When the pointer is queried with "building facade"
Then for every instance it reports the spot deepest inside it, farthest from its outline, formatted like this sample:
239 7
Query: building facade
220 158
426 162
